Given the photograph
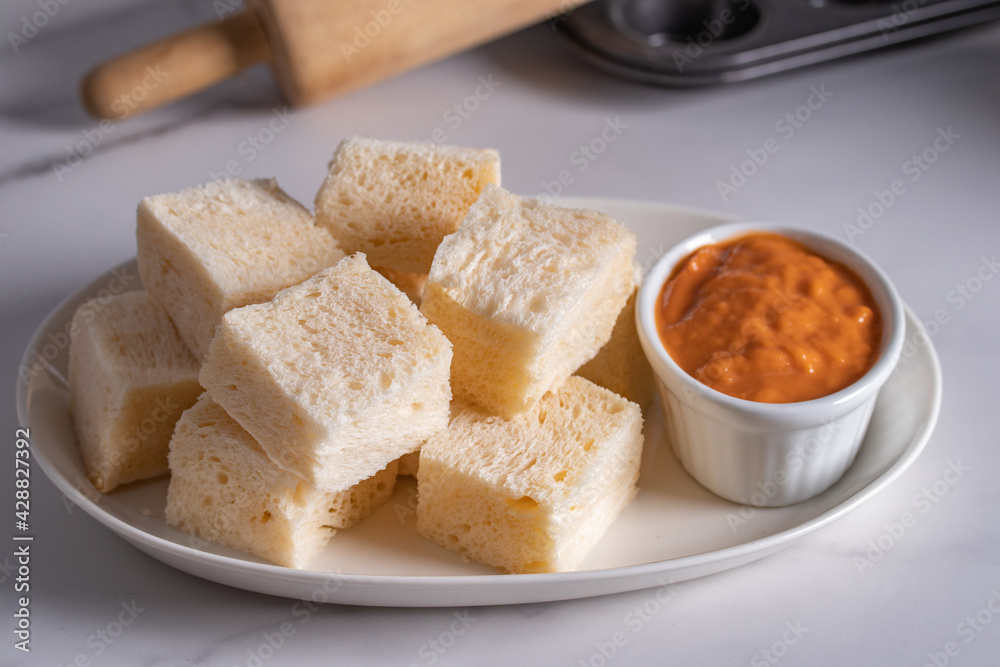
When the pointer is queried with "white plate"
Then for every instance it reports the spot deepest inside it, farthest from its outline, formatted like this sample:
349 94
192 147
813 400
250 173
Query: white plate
673 531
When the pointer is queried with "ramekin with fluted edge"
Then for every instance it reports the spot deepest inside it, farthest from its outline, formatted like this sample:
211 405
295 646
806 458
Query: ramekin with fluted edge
767 454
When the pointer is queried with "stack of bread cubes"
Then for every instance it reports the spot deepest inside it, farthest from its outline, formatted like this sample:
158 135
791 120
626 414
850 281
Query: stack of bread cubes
285 368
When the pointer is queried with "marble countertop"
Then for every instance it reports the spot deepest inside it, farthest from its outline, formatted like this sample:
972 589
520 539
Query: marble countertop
898 152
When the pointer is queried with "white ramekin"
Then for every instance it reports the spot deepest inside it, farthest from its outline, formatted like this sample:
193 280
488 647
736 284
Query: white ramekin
767 454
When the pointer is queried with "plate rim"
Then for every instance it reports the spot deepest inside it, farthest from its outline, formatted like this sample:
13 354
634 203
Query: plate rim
629 577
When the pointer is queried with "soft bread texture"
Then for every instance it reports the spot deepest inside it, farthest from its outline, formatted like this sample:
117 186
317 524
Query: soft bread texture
334 377
410 284
223 488
534 493
212 248
130 378
409 463
621 365
526 292
395 201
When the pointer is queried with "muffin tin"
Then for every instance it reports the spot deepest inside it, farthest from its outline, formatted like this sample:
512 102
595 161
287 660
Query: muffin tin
701 42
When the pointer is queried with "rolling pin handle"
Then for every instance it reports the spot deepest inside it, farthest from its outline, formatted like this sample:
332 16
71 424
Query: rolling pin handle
174 67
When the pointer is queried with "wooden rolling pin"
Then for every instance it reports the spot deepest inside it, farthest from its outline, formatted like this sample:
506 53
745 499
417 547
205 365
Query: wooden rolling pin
317 48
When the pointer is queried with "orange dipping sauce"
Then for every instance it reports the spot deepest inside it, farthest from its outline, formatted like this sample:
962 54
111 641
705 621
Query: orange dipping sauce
763 318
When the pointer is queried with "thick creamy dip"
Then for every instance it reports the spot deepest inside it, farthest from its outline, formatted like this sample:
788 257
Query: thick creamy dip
763 318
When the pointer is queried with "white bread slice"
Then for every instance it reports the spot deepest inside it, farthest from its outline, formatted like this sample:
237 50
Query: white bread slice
534 493
410 284
408 464
224 489
395 201
621 365
130 378
212 248
334 377
526 292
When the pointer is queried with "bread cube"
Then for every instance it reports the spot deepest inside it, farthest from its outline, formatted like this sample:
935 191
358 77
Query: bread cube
526 292
395 201
224 488
130 378
536 492
334 377
621 365
409 463
212 248
410 284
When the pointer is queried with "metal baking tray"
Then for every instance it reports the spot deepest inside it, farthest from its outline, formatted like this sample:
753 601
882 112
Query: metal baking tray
702 42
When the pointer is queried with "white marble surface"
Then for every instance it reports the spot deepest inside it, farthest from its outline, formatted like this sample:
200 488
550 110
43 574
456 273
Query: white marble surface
921 598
